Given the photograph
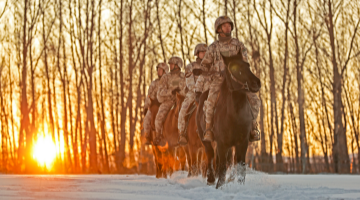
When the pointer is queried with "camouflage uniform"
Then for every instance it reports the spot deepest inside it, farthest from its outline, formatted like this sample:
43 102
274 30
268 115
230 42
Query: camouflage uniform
203 82
153 88
190 94
213 60
169 82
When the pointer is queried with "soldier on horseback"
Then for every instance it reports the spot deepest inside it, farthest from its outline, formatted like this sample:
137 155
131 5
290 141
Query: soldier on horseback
225 46
161 68
168 86
191 77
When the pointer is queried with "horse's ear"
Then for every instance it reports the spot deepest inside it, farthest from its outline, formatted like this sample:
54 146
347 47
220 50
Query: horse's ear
150 100
177 97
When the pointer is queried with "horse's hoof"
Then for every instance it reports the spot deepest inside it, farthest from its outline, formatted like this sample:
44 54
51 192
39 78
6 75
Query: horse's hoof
230 179
210 183
211 180
241 180
219 184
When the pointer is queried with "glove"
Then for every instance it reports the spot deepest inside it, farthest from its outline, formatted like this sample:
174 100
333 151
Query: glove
176 90
197 97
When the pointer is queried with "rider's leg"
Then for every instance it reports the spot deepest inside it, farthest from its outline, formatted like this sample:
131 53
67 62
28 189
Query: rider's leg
255 104
159 121
209 106
189 99
147 127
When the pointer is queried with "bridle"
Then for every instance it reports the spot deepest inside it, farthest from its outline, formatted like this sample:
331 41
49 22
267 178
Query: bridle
244 86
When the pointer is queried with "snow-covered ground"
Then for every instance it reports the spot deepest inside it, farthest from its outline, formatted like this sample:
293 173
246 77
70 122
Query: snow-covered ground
178 187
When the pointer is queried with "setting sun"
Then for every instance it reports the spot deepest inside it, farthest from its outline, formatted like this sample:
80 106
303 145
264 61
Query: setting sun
44 151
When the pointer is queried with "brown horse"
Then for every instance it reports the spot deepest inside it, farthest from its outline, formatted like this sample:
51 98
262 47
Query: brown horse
168 158
194 146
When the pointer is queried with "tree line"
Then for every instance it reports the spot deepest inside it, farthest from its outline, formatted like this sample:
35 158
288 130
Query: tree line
78 70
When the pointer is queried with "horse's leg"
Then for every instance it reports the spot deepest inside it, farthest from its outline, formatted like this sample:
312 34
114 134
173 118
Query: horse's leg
229 158
193 158
230 165
171 160
210 158
159 164
198 160
187 153
240 162
217 163
164 163
176 163
182 157
157 167
203 163
221 151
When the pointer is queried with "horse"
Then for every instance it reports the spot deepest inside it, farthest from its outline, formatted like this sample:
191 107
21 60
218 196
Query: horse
168 158
232 120
194 146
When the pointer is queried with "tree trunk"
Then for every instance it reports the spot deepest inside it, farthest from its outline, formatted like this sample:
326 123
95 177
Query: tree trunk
159 25
340 149
24 121
103 134
300 91
122 94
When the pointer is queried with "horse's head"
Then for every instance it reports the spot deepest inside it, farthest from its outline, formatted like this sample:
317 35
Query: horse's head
154 107
239 75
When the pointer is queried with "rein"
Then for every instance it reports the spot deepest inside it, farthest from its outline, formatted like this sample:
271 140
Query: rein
243 86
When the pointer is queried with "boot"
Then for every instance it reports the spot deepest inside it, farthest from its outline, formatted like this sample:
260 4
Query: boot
209 135
147 139
159 141
182 139
255 132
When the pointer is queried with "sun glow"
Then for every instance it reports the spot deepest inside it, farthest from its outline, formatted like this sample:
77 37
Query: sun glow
44 151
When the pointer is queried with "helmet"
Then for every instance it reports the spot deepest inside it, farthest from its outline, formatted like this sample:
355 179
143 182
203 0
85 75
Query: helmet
222 20
163 66
176 60
200 47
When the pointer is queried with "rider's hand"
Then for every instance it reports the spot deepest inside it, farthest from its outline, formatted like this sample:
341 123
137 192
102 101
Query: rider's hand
176 90
197 97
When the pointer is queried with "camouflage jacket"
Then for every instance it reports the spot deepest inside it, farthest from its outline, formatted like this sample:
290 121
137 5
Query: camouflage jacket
153 88
168 83
213 58
190 77
203 83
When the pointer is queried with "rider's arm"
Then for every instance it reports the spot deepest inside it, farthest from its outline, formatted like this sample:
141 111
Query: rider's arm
190 82
208 58
151 93
152 89
163 90
199 85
